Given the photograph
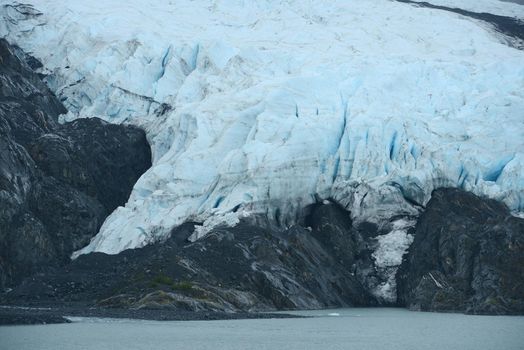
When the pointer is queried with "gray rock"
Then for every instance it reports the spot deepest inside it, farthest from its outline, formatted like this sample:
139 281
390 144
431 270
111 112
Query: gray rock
242 268
57 182
468 255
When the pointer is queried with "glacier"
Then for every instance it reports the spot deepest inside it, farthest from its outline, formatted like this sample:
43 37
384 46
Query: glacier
263 108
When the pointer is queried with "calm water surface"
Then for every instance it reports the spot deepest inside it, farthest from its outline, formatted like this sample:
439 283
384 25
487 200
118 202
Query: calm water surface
362 329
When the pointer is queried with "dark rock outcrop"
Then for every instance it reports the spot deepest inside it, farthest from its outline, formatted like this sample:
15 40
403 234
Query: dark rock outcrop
468 255
57 182
243 268
511 27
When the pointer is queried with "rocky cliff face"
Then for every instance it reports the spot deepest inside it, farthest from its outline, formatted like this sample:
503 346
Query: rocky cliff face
468 255
57 182
243 268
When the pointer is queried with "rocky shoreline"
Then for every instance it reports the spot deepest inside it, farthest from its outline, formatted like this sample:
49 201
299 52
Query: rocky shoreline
467 257
17 315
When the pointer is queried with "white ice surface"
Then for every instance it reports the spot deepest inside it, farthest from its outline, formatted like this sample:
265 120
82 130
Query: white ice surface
274 104
388 257
518 214
392 246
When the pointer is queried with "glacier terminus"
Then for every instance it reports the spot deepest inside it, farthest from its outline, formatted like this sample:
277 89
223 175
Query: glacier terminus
260 109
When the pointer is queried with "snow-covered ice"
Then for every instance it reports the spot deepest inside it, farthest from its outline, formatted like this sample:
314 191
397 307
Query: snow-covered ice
264 107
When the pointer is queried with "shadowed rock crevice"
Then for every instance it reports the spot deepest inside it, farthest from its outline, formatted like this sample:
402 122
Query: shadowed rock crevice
57 182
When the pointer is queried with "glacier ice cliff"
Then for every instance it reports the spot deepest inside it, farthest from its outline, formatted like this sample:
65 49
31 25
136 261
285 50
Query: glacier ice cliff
264 108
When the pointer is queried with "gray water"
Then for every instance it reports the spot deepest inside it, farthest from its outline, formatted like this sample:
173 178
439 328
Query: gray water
362 329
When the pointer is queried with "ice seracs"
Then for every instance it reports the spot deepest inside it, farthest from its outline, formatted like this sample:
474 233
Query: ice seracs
388 256
266 107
